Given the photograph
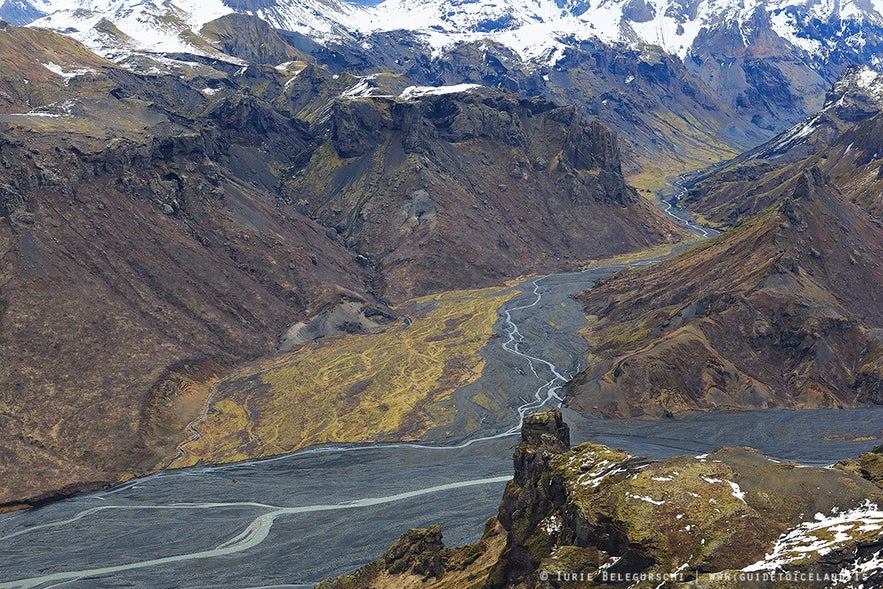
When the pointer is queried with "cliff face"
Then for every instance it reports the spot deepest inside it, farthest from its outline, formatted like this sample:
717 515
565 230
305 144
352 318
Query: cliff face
142 251
463 189
593 516
782 311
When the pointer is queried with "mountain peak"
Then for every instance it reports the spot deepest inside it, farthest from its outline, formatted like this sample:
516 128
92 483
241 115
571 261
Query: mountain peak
809 183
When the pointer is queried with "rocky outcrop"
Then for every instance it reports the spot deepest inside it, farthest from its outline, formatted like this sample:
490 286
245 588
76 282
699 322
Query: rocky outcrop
141 235
496 173
842 141
868 466
530 496
249 38
593 516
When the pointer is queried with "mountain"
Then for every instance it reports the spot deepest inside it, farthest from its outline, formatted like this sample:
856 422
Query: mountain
685 84
766 315
742 51
842 140
138 254
459 186
593 516
159 227
19 12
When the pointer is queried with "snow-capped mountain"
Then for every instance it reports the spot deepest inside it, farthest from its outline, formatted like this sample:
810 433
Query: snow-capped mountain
767 63
533 28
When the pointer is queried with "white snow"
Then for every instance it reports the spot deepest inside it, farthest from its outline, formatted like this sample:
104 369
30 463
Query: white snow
738 493
593 470
537 30
153 25
35 113
551 525
413 92
362 88
644 498
786 27
821 536
67 75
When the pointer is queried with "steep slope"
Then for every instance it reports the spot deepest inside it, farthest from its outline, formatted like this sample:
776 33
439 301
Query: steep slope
869 466
668 120
842 140
466 186
135 261
39 67
593 516
785 310
712 79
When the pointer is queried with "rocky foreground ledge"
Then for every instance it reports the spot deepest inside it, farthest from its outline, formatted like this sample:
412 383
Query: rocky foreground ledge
593 516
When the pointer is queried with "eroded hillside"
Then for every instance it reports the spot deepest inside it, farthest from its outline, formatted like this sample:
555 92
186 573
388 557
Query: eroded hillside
783 311
158 229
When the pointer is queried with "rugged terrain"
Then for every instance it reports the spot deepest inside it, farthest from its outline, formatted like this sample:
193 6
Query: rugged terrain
593 516
157 229
842 140
770 314
471 188
684 83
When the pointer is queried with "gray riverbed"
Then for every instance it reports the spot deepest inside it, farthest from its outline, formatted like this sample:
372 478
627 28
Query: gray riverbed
294 520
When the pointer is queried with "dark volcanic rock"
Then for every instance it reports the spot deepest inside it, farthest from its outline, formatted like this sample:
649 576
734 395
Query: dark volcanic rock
593 516
505 174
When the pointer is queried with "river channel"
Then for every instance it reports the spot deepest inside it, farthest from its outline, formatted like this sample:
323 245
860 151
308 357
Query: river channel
294 520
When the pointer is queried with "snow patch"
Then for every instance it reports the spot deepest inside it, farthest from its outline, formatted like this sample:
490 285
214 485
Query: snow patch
551 525
69 74
821 536
414 92
644 498
738 493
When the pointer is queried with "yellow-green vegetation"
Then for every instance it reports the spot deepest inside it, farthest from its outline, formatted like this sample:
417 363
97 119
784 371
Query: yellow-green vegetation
393 384
872 466
652 253
697 149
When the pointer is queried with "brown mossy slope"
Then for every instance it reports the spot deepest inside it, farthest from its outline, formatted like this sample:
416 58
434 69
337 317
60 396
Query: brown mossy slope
139 253
159 228
784 311
869 466
593 516
27 83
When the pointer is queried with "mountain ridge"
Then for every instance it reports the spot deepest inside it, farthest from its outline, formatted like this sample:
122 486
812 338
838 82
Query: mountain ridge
766 64
763 316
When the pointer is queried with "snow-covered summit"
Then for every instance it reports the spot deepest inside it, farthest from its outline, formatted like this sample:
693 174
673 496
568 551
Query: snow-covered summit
535 29
865 79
